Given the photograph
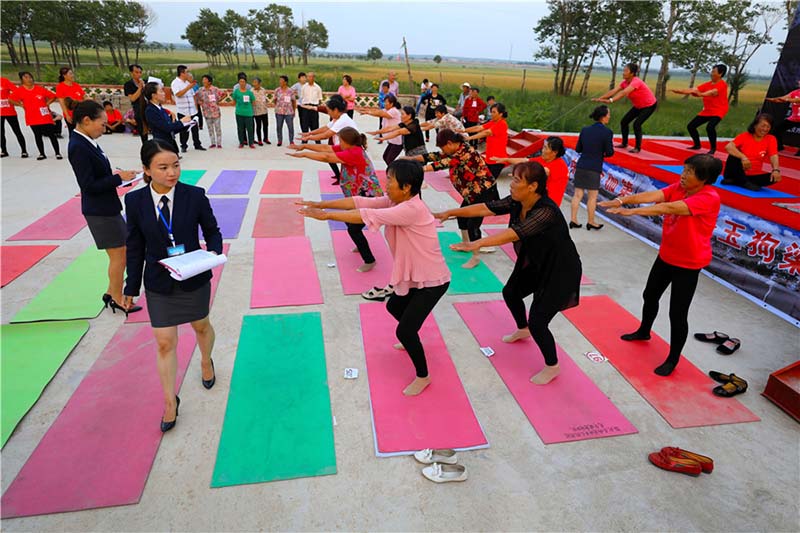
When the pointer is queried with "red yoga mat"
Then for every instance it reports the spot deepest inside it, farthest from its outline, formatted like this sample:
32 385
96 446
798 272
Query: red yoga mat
684 398
16 260
570 407
440 417
278 217
100 449
60 224
354 282
144 315
284 273
282 182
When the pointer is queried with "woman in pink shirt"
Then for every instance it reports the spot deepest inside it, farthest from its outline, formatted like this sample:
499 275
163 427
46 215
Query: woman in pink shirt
348 92
419 274
642 98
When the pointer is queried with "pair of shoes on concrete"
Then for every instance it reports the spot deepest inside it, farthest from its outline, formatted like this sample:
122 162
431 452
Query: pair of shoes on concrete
442 465
681 461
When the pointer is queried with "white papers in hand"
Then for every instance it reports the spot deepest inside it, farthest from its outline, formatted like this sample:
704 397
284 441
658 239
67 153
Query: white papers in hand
183 267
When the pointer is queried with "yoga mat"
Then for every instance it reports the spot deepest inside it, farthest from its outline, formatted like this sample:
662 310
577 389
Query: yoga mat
490 220
440 417
466 281
570 407
191 177
684 398
31 356
326 182
440 181
74 293
765 192
278 422
230 213
16 260
334 224
282 182
278 217
144 315
233 182
99 451
354 282
284 273
644 154
60 224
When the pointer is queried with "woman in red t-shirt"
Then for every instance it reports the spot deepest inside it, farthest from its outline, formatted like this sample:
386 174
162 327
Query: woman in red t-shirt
114 122
715 106
748 151
643 100
496 133
36 101
552 159
793 120
690 209
9 114
68 88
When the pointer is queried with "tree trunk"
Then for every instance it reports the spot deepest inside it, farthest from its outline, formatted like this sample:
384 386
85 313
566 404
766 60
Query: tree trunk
647 67
12 53
54 50
113 56
35 55
666 52
138 46
24 46
692 79
97 53
77 61
585 85
127 58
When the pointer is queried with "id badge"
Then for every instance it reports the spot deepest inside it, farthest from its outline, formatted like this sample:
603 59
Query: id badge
179 249
4 103
45 111
246 98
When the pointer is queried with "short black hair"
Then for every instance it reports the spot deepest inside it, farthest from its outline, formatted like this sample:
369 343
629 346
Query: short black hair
408 110
284 78
476 89
407 173
435 85
490 97
336 102
556 145
181 69
241 76
761 116
22 74
634 68
133 66
722 69
599 112
87 108
349 78
301 75
705 166
209 77
441 108
501 108
425 80
446 136
392 99
385 84
107 102
152 148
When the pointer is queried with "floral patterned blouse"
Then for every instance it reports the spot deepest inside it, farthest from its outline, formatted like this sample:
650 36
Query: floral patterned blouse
260 104
209 101
358 172
283 101
468 171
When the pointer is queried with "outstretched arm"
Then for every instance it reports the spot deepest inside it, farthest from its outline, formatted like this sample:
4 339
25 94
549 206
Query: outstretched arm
504 237
352 216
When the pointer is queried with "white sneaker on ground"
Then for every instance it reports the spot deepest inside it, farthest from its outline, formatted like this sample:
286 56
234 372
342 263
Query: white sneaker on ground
430 456
439 473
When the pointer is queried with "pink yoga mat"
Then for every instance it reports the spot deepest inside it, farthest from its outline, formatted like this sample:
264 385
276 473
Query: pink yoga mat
99 451
494 219
325 182
284 273
278 217
282 182
570 407
440 181
144 316
15 260
60 224
347 262
440 417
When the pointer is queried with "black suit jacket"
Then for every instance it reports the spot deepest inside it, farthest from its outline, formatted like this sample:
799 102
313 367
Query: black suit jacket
160 125
148 238
97 182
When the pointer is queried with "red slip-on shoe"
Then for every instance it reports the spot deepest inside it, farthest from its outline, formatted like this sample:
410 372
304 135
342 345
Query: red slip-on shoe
675 464
706 463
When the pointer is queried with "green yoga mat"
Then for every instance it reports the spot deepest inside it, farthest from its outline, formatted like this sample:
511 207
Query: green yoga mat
75 293
191 177
278 422
466 281
30 355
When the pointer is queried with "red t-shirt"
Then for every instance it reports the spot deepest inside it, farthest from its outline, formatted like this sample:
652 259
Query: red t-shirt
497 141
686 239
472 109
34 101
73 91
113 116
6 88
758 152
558 178
795 116
641 96
714 106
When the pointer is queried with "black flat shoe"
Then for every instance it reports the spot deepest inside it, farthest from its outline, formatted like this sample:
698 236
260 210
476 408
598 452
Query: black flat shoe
24 155
573 225
590 227
166 426
210 382
4 154
59 157
621 145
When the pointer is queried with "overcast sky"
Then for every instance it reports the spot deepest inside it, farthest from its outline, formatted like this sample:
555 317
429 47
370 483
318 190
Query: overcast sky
485 29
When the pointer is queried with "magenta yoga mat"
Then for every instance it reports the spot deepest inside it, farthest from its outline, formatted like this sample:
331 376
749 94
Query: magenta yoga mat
60 224
347 261
278 217
284 273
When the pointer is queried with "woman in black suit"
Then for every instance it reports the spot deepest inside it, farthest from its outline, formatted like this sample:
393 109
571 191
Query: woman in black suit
595 143
156 118
163 219
100 204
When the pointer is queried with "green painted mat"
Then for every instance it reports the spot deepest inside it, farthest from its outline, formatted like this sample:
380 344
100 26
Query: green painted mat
466 281
30 355
191 177
278 422
75 293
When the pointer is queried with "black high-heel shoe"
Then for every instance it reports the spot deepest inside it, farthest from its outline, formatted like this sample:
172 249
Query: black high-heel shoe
210 382
573 225
114 306
106 300
590 227
166 426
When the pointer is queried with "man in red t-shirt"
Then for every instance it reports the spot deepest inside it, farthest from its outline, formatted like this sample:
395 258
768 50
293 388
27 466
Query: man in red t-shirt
9 114
473 107
793 120
715 106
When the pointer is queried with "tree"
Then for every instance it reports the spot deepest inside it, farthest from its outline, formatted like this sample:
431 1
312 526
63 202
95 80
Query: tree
313 35
437 59
678 11
374 53
208 34
234 23
9 29
699 47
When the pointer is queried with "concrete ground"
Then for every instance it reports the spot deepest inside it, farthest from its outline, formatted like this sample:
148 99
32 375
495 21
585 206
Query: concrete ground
516 484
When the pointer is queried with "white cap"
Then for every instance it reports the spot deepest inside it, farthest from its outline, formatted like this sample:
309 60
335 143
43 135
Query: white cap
466 84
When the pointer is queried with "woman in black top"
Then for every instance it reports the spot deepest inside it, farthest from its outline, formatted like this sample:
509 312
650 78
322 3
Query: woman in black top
595 142
548 265
433 100
413 142
156 119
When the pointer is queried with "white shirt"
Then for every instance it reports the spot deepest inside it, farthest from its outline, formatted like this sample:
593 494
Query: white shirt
311 94
185 103
94 143
394 121
157 200
340 123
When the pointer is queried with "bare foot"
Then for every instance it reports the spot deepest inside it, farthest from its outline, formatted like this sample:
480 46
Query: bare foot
399 346
472 263
417 386
366 267
517 335
547 375
354 250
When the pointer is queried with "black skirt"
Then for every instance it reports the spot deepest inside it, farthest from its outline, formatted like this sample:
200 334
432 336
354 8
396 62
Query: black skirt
108 232
587 179
178 307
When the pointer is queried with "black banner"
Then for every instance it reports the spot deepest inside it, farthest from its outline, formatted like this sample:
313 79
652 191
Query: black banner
784 80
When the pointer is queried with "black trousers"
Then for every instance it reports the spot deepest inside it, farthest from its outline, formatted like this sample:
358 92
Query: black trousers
184 135
45 130
351 112
411 311
782 128
734 174
473 225
468 124
391 152
517 288
309 121
262 124
13 121
640 116
496 169
356 232
711 130
119 128
684 283
337 174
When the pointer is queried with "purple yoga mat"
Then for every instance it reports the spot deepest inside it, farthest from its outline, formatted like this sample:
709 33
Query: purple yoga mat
334 224
233 182
229 213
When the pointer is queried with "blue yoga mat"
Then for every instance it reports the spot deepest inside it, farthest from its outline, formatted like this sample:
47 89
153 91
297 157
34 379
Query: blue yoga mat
765 192
334 224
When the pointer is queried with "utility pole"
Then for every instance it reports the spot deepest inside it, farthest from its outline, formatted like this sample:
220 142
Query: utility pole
408 67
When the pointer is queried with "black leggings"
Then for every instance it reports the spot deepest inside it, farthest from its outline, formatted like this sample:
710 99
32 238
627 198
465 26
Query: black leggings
392 152
641 115
411 311
262 123
45 130
472 225
684 282
734 174
356 232
14 123
518 286
711 130
782 128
